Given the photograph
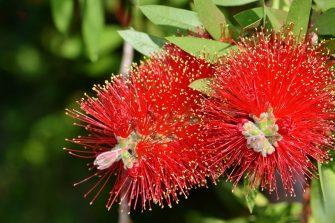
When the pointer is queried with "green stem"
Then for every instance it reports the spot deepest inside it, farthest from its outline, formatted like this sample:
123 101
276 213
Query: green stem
264 13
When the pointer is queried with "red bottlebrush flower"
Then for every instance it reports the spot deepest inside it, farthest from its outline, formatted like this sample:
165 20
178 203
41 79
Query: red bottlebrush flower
271 111
145 130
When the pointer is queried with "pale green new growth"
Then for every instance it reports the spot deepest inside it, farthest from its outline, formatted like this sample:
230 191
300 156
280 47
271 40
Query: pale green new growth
262 134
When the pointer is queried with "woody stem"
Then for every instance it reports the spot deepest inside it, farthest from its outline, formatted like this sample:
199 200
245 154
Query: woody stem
306 205
127 58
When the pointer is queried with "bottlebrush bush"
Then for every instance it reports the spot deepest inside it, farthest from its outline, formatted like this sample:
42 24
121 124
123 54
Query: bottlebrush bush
243 95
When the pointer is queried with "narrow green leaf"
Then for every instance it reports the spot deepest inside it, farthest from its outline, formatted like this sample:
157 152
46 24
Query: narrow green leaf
146 2
179 3
202 85
109 39
281 4
325 23
62 14
169 16
200 47
264 12
323 206
250 196
233 2
322 184
324 5
299 15
276 18
92 26
142 42
250 199
253 25
211 16
250 18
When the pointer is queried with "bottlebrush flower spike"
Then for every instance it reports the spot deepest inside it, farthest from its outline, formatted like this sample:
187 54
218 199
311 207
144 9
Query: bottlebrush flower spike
272 111
144 130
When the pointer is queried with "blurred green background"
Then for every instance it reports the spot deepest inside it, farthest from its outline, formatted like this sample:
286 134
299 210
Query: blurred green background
48 59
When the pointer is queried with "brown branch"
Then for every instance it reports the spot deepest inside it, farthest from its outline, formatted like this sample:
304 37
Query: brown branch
306 206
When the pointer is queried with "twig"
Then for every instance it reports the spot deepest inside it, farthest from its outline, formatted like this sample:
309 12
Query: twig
124 217
306 207
127 58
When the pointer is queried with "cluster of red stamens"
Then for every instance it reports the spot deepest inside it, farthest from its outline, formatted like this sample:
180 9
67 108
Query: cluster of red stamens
271 110
144 129
151 137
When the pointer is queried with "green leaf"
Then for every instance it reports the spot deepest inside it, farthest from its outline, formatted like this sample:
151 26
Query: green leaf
281 4
169 16
211 16
92 26
276 18
299 15
324 5
233 2
264 11
325 23
321 181
200 47
142 42
146 2
323 206
109 39
62 14
202 85
71 48
250 18
250 199
250 196
179 3
329 45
